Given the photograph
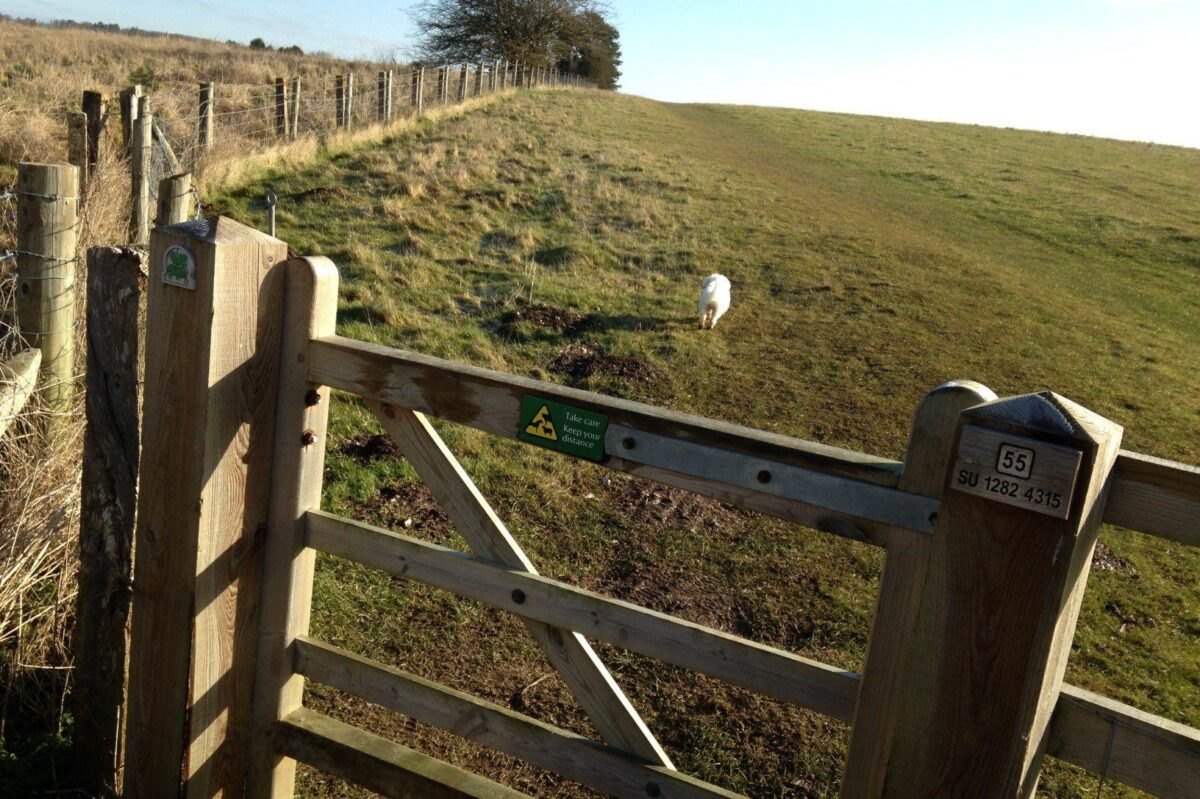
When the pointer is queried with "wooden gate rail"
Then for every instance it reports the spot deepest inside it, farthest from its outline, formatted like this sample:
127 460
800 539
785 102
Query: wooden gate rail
773 672
1149 752
376 763
552 748
1150 495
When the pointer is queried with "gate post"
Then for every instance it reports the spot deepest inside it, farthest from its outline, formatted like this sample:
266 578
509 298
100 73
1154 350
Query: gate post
1007 568
215 308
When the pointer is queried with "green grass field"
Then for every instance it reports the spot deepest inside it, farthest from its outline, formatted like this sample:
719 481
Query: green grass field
564 236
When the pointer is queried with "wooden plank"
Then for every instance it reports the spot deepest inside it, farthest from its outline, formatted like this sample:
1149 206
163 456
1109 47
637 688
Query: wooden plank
926 459
981 677
210 393
376 763
170 160
585 675
301 417
1144 751
18 378
611 771
77 144
97 115
174 199
140 151
1156 496
116 304
47 240
204 118
762 668
702 454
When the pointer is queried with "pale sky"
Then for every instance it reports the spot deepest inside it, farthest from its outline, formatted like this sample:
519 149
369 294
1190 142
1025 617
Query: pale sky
1125 69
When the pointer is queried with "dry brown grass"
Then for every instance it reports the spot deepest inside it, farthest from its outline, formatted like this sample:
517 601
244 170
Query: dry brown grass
46 71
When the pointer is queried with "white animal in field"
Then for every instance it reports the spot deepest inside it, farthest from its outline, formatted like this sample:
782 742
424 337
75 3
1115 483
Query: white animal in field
714 300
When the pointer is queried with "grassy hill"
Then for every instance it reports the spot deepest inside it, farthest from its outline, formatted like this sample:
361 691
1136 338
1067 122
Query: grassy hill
564 236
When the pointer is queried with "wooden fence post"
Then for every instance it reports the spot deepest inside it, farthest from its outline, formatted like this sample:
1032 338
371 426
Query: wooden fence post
47 236
381 105
388 100
418 90
462 83
294 113
479 79
129 112
214 306
204 117
495 82
443 78
310 312
77 144
174 199
116 288
349 99
1015 531
97 116
930 447
140 152
281 115
339 101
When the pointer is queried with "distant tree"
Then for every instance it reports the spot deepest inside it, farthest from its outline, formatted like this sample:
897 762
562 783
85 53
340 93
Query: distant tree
594 50
258 44
293 50
536 32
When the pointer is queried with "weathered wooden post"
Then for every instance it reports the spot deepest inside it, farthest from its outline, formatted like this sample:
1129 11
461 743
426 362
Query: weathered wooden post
463 76
215 303
926 459
129 112
174 199
381 98
116 289
77 144
97 116
443 80
47 235
1015 532
418 90
294 112
204 117
494 86
281 115
479 79
339 101
349 99
140 152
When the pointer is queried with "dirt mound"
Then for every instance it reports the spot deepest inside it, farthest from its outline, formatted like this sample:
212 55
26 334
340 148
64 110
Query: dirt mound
658 507
543 317
1105 560
406 507
368 448
580 361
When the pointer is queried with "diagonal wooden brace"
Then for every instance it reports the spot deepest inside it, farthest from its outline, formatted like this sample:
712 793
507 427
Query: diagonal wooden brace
587 678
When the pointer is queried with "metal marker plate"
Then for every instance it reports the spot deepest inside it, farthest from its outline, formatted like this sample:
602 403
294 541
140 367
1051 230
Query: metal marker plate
1016 470
179 267
565 428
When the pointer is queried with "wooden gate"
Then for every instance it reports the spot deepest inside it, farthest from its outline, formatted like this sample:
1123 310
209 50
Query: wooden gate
989 526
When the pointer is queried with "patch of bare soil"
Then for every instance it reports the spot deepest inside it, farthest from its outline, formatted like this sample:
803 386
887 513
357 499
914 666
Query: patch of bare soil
1129 617
407 507
370 448
580 361
549 318
1105 560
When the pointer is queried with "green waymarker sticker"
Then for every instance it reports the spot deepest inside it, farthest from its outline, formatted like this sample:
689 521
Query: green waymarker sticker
562 427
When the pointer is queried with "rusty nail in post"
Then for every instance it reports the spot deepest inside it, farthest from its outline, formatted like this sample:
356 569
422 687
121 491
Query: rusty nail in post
308 438
313 397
